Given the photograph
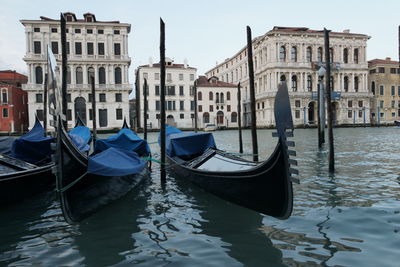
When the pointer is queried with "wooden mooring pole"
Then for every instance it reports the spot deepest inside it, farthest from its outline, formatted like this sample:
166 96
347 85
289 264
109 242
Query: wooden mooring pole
162 98
137 103
329 102
64 71
45 103
195 105
239 108
252 95
145 108
94 130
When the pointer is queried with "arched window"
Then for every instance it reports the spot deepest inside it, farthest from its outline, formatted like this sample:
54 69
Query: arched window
319 54
39 75
283 78
199 96
356 55
332 84
206 117
79 75
118 76
234 117
222 97
282 53
346 83
217 98
309 54
373 88
102 75
90 73
68 75
309 83
294 83
356 82
228 96
345 55
210 96
331 54
294 54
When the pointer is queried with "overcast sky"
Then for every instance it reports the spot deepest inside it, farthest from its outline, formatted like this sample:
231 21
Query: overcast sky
208 31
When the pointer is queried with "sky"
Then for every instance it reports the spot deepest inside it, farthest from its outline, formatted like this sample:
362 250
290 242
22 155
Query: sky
205 32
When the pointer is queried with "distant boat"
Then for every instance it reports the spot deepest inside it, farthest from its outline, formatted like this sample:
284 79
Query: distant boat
87 183
265 187
397 123
210 127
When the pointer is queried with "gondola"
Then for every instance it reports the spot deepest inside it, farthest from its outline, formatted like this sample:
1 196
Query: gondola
397 123
265 187
87 183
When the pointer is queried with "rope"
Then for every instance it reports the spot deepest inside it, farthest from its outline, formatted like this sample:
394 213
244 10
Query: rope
154 160
62 190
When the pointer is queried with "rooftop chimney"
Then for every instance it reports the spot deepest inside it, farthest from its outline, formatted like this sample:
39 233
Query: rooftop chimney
150 62
388 59
346 31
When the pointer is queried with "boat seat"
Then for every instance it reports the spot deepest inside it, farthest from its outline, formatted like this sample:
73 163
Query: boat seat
16 163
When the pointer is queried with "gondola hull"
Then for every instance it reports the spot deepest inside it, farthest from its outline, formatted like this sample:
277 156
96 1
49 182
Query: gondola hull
265 188
90 192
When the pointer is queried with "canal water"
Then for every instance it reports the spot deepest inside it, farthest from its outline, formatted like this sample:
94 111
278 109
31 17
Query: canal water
350 218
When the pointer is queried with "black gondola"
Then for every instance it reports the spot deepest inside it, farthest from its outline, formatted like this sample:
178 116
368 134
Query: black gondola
265 187
397 123
83 192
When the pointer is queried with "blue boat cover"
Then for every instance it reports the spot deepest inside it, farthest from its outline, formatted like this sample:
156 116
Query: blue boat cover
33 147
115 162
79 142
125 139
180 143
6 144
83 132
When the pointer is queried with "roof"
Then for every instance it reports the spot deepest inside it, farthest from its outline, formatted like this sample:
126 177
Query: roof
173 66
307 30
79 20
202 81
386 61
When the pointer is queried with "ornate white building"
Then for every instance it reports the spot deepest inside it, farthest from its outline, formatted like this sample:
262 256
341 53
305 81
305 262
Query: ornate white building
216 102
291 54
93 47
179 98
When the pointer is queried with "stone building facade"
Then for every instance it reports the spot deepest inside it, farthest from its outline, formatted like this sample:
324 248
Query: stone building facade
93 47
179 98
292 54
216 103
384 83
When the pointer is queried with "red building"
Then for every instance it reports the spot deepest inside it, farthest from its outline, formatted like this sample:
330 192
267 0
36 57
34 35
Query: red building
13 102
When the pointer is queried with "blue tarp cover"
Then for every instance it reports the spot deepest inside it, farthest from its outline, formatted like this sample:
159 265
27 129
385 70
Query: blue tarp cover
125 139
79 142
83 132
115 162
180 143
33 147
6 144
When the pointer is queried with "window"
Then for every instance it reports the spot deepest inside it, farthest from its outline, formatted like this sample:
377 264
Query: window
39 98
191 90
79 75
393 104
39 75
53 30
116 31
393 70
350 103
67 47
192 77
294 83
345 55
350 114
90 98
373 88
356 55
234 117
77 30
210 96
297 114
90 50
199 96
181 105
309 83
117 49
170 105
393 90
228 108
156 76
398 90
360 113
100 48
283 78
37 49
181 90
118 75
118 113
360 104
40 114
102 75
282 54
169 77
102 97
297 103
211 108
118 97
191 105
372 71
69 114
294 54
5 96
181 116
78 48
181 76
200 108
381 70
309 54
69 98
206 117
170 90
346 83
36 29
319 54
157 90
381 103
356 83
157 104
228 96
89 31
100 31
381 90
54 47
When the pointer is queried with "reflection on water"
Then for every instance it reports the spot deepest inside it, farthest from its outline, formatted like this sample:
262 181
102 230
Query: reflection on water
350 218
